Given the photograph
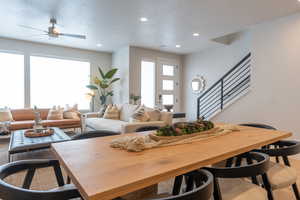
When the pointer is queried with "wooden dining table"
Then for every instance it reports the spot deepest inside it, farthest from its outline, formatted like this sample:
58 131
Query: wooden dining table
103 173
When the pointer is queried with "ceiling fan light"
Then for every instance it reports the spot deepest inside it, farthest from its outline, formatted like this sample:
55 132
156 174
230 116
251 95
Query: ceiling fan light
55 31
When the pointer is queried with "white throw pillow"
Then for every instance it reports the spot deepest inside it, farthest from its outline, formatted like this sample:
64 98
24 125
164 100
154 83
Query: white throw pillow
127 111
56 113
71 112
140 115
5 115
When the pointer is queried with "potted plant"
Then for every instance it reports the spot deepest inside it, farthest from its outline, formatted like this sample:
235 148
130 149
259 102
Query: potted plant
135 98
102 84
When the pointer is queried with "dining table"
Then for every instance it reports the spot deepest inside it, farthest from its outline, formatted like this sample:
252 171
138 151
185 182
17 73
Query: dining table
101 172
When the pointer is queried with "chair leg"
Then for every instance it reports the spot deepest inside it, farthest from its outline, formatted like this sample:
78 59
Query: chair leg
177 185
68 180
296 191
217 191
267 186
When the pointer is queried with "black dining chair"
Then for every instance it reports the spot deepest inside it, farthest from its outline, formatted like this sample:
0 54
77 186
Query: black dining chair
258 125
11 192
94 134
147 128
282 174
229 180
203 181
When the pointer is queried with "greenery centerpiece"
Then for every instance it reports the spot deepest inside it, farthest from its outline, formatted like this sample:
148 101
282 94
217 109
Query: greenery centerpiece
102 84
185 128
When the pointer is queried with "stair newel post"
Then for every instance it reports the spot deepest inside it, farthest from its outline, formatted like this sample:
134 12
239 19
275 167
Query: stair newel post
222 83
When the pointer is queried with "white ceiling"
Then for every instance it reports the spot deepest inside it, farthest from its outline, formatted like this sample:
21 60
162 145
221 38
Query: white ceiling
115 23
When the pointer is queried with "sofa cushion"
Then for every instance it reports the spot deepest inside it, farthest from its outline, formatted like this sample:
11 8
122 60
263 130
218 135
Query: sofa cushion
5 115
16 125
154 114
105 124
63 122
23 114
127 111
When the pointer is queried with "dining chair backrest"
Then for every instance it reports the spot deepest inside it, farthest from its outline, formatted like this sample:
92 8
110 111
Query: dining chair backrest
257 125
203 180
94 134
12 192
203 190
147 128
282 148
257 164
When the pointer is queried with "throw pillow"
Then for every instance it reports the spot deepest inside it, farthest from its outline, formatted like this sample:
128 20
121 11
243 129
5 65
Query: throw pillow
154 114
5 115
112 112
55 113
140 115
71 112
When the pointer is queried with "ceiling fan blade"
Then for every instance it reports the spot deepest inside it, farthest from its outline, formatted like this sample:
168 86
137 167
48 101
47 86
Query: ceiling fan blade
73 35
36 35
32 28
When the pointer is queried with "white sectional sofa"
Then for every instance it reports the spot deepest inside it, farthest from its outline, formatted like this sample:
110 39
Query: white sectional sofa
92 121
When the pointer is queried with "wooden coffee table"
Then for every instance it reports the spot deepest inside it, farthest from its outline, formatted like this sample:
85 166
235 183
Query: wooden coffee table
20 143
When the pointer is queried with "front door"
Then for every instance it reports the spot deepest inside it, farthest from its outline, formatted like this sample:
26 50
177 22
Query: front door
167 84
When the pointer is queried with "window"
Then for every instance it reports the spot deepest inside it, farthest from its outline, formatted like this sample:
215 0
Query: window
58 82
148 84
168 85
168 99
12 80
168 70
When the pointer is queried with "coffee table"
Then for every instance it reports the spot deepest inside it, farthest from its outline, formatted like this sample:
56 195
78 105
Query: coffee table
20 143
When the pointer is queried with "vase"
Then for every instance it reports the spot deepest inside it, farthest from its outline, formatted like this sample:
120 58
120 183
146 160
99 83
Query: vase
103 100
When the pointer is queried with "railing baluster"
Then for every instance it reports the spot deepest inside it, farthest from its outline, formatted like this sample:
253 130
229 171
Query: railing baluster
222 83
230 85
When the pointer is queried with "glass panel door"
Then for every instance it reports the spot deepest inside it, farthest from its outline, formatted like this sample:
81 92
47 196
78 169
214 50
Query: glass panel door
167 84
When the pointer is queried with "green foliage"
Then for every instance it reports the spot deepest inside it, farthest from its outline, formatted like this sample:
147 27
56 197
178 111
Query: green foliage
185 128
103 83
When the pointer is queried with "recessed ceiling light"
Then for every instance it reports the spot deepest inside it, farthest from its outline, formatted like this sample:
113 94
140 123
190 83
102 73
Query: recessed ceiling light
143 19
177 45
99 45
196 34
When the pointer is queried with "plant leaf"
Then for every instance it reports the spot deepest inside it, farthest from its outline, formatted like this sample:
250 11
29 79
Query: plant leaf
114 80
104 85
92 87
101 73
110 93
111 73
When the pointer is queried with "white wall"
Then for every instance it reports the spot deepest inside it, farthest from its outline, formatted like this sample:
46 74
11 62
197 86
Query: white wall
274 98
212 64
29 48
120 60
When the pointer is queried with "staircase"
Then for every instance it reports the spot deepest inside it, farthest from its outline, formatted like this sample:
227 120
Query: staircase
234 84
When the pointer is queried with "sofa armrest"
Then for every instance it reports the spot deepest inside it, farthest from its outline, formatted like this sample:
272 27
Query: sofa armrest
166 117
132 127
91 115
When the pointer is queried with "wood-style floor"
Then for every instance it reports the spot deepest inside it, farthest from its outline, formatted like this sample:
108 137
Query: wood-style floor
45 179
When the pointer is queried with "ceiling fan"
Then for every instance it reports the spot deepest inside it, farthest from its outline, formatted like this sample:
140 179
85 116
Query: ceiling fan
53 31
